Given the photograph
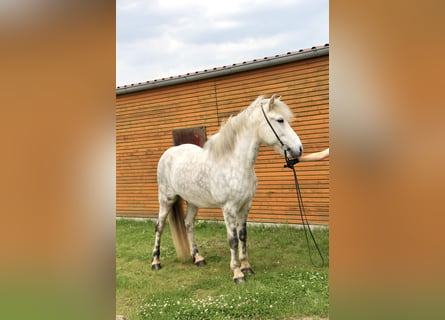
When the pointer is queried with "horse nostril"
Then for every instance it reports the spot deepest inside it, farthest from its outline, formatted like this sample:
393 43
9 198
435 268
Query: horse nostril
301 150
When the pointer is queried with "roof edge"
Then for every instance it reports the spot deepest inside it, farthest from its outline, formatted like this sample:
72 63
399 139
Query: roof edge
225 70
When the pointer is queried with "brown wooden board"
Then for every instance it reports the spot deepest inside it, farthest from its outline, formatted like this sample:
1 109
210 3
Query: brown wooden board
146 120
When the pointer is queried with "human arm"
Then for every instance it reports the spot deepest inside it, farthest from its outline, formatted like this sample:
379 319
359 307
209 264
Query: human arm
316 156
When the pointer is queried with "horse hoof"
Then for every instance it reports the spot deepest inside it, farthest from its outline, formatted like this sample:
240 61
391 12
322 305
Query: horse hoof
239 280
156 266
201 263
247 271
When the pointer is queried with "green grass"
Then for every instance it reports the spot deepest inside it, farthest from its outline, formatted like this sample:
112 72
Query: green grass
285 286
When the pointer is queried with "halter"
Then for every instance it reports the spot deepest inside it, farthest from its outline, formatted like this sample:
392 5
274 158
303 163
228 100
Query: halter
290 164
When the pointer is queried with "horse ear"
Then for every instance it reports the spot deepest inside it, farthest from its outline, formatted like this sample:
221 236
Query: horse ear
271 102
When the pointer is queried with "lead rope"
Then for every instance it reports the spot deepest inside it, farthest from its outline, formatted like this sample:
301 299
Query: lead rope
290 163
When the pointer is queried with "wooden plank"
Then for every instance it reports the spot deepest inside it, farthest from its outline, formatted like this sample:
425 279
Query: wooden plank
145 120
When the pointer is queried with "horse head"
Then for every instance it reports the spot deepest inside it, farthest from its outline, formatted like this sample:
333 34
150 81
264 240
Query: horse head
274 129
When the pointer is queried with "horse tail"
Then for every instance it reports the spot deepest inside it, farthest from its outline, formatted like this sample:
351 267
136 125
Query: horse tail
178 230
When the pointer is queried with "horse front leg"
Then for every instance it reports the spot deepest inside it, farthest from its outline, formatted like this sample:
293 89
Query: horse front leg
242 235
192 210
232 237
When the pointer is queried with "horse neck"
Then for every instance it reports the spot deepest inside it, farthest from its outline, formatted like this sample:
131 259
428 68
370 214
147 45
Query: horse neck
246 148
237 143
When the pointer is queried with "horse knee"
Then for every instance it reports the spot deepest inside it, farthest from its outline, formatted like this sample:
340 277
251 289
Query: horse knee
157 227
243 234
233 242
189 226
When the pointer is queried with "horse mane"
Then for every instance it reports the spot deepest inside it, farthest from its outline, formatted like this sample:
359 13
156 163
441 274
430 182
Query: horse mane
223 142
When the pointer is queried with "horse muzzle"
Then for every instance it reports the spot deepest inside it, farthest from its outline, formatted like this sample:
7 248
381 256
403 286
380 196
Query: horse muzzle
292 152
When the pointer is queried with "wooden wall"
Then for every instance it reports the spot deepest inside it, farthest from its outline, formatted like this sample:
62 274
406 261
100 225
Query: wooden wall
146 119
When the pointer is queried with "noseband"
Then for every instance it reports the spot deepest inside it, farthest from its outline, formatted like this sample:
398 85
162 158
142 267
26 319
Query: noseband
289 161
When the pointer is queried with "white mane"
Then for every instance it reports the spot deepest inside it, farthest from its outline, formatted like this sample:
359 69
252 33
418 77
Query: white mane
223 142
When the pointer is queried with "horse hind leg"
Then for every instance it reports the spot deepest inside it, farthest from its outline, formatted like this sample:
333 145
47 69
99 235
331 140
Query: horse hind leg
192 210
164 209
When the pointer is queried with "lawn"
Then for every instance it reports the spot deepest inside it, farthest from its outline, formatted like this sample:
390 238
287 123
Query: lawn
286 285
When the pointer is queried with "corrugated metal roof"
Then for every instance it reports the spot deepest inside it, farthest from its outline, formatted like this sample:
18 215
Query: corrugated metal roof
233 68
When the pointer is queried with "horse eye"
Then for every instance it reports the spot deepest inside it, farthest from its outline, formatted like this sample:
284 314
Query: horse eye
280 120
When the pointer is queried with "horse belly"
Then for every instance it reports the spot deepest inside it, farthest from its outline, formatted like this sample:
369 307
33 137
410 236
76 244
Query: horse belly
196 190
211 192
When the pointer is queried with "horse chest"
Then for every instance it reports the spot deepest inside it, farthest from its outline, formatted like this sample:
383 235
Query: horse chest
233 184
